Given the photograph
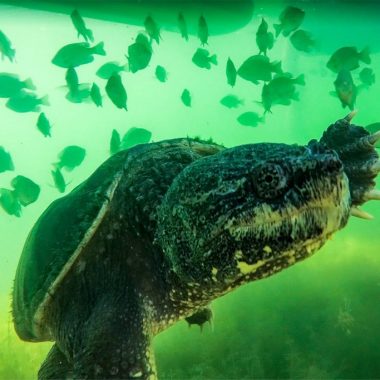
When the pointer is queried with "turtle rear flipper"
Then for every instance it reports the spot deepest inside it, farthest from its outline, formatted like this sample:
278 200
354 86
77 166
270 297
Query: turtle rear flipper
55 366
115 343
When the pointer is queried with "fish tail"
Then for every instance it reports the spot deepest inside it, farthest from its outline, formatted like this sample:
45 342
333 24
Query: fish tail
99 49
277 28
45 100
29 84
213 59
300 80
364 55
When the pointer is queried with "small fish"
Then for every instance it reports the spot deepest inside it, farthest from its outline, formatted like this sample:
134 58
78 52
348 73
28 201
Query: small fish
77 91
6 48
116 91
115 142
105 71
139 53
83 93
96 96
231 101
182 26
346 89
200 318
290 19
6 162
80 53
59 181
186 97
80 26
135 136
203 59
367 77
161 73
26 102
11 85
70 157
250 119
302 41
231 72
43 124
264 39
72 80
258 67
348 58
25 190
281 90
9 202
202 30
152 29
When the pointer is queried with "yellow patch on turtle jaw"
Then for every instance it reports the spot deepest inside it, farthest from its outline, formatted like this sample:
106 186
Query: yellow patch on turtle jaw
245 268
286 259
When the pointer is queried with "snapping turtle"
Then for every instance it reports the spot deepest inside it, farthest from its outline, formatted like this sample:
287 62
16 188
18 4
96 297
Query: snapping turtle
160 230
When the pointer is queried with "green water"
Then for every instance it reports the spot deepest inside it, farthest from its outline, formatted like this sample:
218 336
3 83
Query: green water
317 319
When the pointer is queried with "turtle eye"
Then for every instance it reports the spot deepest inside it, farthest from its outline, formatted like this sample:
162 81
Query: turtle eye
269 180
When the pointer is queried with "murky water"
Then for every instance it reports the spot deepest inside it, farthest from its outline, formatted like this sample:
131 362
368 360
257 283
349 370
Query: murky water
318 319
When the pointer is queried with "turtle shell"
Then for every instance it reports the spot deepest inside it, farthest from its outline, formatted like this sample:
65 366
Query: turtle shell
54 244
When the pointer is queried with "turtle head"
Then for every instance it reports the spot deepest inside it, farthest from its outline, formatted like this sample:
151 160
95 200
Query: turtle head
250 211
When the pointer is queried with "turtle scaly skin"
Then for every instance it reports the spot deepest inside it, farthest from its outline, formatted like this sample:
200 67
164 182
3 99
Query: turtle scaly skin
165 228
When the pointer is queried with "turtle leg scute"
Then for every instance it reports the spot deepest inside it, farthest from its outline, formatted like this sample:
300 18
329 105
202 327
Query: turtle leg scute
115 343
55 366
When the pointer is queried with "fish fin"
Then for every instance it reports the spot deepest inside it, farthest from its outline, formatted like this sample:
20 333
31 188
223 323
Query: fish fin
276 67
362 87
45 100
29 84
90 35
334 94
213 59
295 96
364 55
126 67
277 28
99 49
300 80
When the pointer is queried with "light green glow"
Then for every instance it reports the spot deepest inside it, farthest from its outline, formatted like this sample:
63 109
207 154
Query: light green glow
37 35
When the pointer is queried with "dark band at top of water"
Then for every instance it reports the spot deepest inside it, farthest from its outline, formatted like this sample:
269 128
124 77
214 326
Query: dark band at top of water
237 13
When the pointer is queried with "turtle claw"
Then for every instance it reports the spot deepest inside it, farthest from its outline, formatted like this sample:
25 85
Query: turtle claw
374 138
355 211
372 195
351 115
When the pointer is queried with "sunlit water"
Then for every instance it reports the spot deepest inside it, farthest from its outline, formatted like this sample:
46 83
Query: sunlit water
318 319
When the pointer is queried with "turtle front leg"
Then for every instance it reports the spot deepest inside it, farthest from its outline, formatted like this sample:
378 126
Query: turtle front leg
115 343
355 147
55 366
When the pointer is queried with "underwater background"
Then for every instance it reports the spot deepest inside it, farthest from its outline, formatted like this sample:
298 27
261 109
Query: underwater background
316 320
